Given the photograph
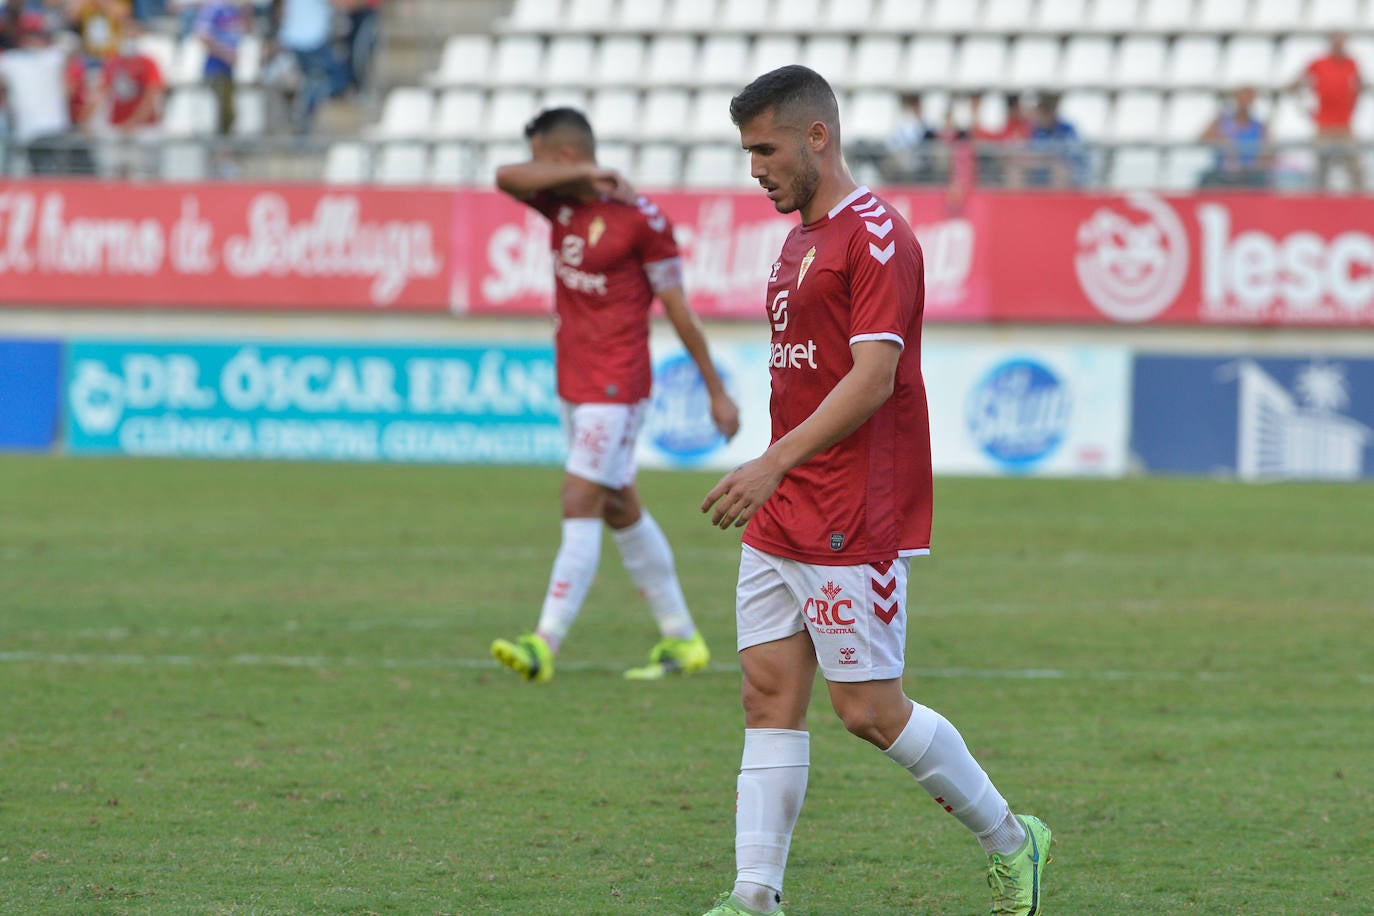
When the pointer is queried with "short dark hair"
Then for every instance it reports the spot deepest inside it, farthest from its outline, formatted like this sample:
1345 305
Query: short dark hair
790 90
568 122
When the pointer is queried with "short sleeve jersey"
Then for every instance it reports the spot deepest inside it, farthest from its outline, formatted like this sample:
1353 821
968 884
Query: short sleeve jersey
854 275
129 79
1336 83
604 256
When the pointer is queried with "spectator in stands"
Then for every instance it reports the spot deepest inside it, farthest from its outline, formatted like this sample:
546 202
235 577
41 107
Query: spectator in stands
1055 156
220 25
1000 161
9 24
907 154
359 40
100 24
1240 141
186 12
133 89
306 31
1336 82
35 76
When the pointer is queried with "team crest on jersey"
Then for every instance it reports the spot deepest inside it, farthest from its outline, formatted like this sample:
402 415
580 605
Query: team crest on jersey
595 231
837 541
806 265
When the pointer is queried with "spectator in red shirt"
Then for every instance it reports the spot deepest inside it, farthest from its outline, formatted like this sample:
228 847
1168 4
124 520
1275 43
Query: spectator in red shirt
132 88
1335 82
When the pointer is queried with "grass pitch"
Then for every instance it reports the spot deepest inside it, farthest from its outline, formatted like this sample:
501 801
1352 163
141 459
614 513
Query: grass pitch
263 688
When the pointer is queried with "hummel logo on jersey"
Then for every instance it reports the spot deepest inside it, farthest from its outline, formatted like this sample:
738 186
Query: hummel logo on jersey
870 210
806 265
847 656
773 275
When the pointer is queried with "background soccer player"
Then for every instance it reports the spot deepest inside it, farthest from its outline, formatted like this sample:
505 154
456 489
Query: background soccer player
613 252
837 506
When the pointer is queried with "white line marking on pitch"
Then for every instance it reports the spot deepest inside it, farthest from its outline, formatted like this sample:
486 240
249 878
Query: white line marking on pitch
476 664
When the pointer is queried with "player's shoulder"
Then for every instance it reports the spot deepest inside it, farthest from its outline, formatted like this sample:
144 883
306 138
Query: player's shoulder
648 213
873 226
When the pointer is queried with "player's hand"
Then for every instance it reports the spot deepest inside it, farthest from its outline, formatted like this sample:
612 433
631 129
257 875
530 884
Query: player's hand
740 493
615 186
725 414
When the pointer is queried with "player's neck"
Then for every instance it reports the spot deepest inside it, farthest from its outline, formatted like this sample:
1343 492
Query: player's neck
835 186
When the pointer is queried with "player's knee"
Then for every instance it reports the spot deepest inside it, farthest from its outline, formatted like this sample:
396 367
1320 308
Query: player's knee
862 720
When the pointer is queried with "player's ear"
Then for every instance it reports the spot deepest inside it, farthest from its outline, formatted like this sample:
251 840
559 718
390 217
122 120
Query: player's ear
817 136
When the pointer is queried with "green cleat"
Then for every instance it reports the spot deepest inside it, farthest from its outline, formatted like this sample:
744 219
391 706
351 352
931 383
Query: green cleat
1017 880
673 656
528 656
727 905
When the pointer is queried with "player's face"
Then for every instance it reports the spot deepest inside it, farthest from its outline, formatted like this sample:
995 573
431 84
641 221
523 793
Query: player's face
780 161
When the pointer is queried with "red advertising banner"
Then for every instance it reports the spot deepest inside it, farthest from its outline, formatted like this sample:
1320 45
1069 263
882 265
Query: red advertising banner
1229 259
223 245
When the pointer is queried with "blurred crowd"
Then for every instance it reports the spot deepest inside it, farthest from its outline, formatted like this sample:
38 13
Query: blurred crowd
80 92
1035 146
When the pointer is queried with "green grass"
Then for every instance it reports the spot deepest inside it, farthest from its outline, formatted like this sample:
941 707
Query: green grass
262 688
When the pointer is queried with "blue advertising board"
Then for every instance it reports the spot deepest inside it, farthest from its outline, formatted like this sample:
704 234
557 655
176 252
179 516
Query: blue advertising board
30 371
1291 418
469 403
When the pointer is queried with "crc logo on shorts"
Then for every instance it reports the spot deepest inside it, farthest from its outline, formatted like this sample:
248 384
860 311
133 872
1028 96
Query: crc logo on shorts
830 614
1132 269
847 656
679 421
1019 413
594 441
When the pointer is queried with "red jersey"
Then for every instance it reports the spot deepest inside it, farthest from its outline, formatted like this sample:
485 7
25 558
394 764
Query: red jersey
128 80
1336 82
609 259
855 274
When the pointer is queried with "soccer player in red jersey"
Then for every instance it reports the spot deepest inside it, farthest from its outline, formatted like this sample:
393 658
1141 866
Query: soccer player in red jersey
838 505
613 253
1335 80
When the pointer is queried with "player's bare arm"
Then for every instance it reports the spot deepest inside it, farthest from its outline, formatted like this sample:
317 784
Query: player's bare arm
523 180
724 411
849 404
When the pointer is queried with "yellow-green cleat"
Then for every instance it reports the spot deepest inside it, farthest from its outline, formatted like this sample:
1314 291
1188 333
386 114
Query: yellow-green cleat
1017 880
528 656
673 656
727 905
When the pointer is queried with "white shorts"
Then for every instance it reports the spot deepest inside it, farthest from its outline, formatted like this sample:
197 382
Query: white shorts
601 441
856 615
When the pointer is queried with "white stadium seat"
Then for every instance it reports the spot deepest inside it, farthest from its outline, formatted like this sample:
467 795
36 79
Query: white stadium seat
1289 120
191 111
746 16
829 56
773 51
1088 60
563 97
568 60
183 162
955 15
848 15
537 15
1034 62
1115 15
407 112
518 61
494 155
1335 14
189 69
1062 15
871 115
460 113
898 15
618 156
250 111
716 167
508 111
877 60
1295 53
1220 15
672 60
641 15
162 49
710 117
804 15
590 15
1134 167
696 15
466 61
1187 114
1141 61
619 61
1184 167
1006 15
723 59
659 165
665 114
1277 15
347 163
982 61
1174 15
1087 110
1195 61
403 163
450 163
1137 115
615 113
1249 61
248 64
929 61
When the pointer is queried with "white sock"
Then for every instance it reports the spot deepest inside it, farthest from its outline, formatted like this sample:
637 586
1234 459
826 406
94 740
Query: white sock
573 571
933 751
768 798
649 561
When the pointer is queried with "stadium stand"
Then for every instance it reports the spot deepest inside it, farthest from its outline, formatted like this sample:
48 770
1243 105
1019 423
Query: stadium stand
1140 79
